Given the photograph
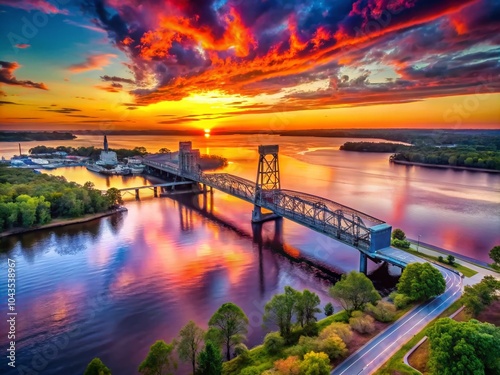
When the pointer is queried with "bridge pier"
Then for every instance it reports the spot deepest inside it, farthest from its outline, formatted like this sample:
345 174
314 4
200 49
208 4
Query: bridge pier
259 217
155 192
137 197
363 262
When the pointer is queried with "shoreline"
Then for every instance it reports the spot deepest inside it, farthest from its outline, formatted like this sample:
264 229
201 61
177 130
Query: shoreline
63 222
458 168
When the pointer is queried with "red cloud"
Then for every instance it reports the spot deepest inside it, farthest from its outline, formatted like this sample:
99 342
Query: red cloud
22 45
7 76
30 5
92 62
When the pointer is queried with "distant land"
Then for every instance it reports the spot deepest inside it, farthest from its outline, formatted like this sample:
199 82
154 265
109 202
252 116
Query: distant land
26 136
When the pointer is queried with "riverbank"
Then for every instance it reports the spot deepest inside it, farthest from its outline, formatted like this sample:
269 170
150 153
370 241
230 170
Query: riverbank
444 166
63 222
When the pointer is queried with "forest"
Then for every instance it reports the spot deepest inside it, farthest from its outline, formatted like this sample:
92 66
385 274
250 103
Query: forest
460 156
28 199
91 151
34 136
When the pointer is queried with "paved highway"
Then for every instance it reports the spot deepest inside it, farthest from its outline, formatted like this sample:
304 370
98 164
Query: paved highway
377 351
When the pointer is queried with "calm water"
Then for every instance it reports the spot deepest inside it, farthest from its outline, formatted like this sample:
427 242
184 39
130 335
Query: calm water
111 287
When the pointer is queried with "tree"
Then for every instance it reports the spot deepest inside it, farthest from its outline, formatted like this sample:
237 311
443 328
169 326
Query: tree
164 150
332 346
398 234
188 344
315 364
477 297
159 360
460 348
342 330
96 367
306 307
354 290
450 259
280 309
114 197
421 281
383 311
210 360
495 254
231 323
328 309
361 323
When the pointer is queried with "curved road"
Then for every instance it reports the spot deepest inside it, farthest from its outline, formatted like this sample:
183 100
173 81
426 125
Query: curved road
383 346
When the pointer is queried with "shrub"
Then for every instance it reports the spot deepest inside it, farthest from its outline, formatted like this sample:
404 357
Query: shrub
342 330
288 366
315 364
273 342
404 244
310 329
361 323
382 311
333 346
241 351
441 259
400 300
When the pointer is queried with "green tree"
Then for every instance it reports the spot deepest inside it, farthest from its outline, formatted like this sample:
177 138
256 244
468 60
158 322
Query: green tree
354 291
96 367
495 254
280 309
421 281
328 309
398 234
164 150
450 259
159 360
306 307
315 364
231 323
210 360
188 344
114 197
477 297
462 348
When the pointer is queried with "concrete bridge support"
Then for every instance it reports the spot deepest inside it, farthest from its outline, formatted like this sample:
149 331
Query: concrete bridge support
259 217
363 262
155 192
137 197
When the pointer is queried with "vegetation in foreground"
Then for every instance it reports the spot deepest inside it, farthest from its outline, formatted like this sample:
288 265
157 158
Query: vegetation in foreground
455 342
301 345
28 199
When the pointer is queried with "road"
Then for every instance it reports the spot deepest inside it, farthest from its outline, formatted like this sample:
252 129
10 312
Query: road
383 346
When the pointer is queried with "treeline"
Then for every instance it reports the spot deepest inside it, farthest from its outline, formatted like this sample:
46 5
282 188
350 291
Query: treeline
91 151
490 139
372 147
34 136
210 162
470 157
28 199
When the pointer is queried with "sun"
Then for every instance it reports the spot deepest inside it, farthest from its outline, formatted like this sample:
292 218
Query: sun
207 133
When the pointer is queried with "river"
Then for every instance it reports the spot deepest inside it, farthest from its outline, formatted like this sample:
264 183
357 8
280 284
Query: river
111 287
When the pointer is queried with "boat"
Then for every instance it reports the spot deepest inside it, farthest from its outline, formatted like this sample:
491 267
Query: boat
94 168
135 165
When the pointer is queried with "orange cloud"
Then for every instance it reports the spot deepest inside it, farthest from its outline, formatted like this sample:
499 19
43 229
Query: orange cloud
93 62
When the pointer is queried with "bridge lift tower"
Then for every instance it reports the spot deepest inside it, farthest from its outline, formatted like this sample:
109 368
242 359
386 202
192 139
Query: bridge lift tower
268 179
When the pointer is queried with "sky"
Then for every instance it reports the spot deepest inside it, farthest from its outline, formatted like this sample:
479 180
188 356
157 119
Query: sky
249 64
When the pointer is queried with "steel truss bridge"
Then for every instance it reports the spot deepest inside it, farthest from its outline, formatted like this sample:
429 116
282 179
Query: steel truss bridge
366 233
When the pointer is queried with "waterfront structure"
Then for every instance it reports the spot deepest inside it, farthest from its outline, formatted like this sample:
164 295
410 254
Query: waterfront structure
367 234
107 158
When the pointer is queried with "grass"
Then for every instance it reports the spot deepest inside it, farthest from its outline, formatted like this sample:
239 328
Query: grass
395 363
467 272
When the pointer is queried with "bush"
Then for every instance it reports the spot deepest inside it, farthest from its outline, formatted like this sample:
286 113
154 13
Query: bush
241 351
288 366
400 300
398 234
315 364
273 343
361 323
310 329
440 259
333 346
403 244
382 311
329 309
342 330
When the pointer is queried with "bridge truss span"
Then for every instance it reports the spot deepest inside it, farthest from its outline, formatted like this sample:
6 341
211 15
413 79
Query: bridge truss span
323 215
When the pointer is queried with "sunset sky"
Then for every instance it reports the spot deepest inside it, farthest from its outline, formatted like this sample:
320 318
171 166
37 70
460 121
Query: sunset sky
249 64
